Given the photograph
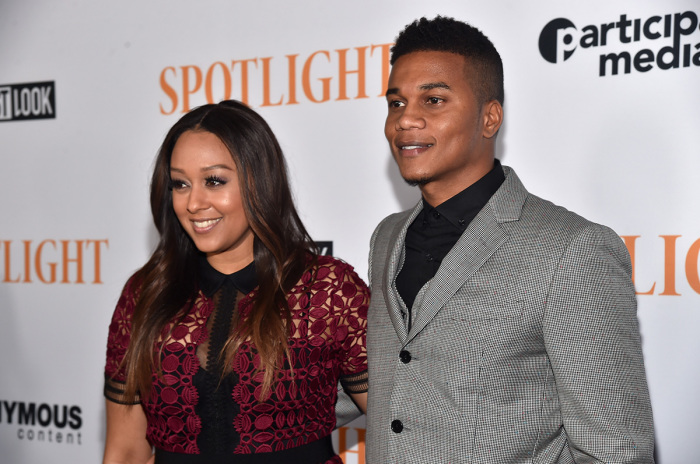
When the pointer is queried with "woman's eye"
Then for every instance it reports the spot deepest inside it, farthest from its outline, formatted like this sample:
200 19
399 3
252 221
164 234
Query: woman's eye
177 184
213 181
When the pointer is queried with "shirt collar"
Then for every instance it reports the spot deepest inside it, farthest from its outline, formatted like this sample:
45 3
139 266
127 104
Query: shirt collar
210 280
459 209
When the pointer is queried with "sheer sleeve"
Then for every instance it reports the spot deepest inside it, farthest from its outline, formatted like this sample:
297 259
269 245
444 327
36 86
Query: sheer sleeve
351 297
117 343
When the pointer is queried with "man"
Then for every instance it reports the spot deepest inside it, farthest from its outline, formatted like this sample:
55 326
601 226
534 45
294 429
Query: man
502 328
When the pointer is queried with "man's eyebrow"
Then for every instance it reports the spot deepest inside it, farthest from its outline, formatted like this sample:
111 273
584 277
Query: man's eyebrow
434 85
428 86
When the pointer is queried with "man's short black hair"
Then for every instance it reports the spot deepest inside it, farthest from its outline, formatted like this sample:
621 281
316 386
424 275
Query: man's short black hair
445 34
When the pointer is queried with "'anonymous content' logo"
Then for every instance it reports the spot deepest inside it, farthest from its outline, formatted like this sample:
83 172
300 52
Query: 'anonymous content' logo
644 38
42 423
34 100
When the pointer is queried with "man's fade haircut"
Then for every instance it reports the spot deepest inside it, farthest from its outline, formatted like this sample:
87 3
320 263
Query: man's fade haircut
445 34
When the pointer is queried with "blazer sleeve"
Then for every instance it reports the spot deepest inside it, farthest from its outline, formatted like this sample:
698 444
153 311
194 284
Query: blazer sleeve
345 409
377 254
592 338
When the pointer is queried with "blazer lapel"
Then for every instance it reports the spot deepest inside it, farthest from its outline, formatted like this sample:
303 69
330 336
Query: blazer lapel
393 265
481 239
476 245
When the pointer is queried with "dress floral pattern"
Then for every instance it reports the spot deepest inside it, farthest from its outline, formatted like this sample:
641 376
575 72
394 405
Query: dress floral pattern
326 344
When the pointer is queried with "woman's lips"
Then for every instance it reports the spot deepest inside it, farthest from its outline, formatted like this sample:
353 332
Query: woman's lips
205 225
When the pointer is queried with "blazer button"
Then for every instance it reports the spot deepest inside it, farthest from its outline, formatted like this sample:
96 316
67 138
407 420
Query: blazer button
396 426
405 356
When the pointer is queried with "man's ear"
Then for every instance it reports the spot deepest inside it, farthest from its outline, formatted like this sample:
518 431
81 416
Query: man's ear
493 118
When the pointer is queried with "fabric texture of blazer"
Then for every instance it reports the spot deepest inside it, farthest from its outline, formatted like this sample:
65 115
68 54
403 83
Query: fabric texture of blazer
524 347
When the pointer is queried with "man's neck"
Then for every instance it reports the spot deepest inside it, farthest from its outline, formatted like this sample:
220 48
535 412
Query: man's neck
436 192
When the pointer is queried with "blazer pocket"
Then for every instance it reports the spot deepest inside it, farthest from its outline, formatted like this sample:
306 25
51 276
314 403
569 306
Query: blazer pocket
505 311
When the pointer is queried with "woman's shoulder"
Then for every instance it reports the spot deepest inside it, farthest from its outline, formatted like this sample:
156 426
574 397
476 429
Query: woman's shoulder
131 290
332 261
333 264
330 268
133 284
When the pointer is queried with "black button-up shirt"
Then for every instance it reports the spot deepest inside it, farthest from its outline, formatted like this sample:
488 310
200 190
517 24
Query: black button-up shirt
435 231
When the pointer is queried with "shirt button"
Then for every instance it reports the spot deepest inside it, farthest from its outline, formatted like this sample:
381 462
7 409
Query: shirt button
462 222
428 257
405 356
436 214
396 426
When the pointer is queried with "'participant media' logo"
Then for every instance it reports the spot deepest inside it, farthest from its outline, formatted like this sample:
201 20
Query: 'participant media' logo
642 44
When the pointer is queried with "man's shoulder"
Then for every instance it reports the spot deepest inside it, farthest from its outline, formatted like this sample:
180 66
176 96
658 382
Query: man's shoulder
394 219
535 210
554 227
540 210
385 234
391 222
549 211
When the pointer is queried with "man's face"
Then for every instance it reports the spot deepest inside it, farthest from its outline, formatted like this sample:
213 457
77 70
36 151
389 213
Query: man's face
435 126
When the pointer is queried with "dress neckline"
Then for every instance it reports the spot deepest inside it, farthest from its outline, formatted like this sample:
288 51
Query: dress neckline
211 280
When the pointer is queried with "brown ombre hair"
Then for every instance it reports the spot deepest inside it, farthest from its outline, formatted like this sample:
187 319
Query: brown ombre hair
282 247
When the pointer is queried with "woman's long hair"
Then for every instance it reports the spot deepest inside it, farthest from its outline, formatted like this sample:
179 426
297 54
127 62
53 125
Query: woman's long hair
282 247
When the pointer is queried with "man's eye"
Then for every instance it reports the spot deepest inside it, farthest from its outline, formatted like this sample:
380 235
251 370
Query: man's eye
395 104
435 100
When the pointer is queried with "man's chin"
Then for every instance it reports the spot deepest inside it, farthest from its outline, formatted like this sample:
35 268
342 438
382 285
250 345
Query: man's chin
417 181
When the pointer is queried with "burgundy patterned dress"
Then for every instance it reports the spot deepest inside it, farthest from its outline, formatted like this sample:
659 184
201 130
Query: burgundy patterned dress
194 417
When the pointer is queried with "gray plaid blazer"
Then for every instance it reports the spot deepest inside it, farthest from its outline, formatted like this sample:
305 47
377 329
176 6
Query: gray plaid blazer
524 347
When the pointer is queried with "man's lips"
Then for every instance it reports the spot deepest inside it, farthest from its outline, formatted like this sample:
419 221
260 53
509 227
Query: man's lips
412 148
204 225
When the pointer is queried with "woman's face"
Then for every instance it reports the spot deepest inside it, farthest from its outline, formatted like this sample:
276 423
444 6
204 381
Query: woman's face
207 200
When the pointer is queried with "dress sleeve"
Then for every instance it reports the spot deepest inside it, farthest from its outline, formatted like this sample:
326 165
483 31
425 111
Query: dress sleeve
117 343
352 298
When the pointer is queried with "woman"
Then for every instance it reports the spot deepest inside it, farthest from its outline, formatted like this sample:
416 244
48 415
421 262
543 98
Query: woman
234 334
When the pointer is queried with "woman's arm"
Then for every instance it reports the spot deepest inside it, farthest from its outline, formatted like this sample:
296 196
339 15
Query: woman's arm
126 441
360 400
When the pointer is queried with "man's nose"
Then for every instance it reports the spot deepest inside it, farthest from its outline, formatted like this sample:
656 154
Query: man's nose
410 118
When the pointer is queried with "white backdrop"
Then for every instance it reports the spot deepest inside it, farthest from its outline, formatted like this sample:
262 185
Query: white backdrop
619 148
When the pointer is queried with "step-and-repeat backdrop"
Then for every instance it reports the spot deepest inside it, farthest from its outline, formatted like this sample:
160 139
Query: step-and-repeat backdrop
602 117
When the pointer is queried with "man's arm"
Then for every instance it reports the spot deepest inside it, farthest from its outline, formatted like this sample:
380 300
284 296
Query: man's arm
346 410
592 338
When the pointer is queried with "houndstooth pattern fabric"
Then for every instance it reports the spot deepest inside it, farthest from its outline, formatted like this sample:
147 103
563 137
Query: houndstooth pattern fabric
524 347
